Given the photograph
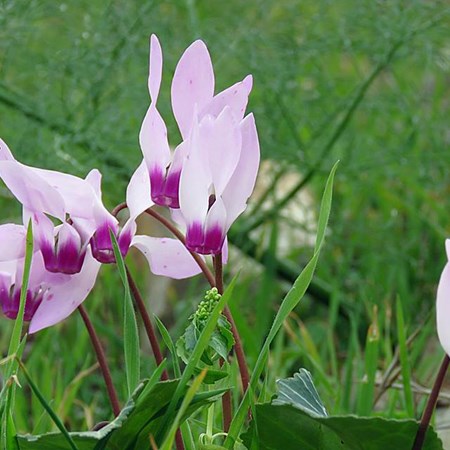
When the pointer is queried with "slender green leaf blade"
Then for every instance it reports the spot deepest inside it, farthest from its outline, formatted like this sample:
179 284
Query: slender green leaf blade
130 328
289 303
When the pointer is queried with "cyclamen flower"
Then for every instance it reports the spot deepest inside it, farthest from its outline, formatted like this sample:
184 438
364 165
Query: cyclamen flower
218 178
74 202
443 304
192 90
50 297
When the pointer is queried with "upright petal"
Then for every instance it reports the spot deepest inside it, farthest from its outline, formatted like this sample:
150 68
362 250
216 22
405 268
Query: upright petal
167 257
155 68
242 182
138 191
153 140
235 97
60 300
192 84
220 141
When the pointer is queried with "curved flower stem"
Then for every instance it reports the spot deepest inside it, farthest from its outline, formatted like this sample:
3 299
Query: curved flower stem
147 323
101 360
432 399
245 376
227 408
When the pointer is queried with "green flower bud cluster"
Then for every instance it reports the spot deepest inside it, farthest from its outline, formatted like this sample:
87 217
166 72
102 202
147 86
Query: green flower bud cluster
206 306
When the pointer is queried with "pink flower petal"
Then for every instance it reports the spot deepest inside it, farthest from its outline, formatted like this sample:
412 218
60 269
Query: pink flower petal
167 257
155 70
192 84
34 192
62 299
153 140
243 180
235 97
12 241
443 305
5 152
138 191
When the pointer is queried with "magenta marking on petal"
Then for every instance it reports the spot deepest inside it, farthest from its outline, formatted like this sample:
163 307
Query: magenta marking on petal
10 302
66 258
101 243
171 189
194 236
124 242
165 187
214 240
156 182
209 243
70 258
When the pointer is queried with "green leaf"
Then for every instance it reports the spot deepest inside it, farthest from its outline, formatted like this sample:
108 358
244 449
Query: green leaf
140 417
291 300
299 391
288 428
130 328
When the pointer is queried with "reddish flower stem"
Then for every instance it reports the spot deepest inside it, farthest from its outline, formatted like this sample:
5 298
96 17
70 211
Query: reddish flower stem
432 399
101 360
149 329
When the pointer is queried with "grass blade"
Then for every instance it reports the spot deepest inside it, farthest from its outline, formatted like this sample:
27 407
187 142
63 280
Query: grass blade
289 303
47 407
404 360
130 328
167 444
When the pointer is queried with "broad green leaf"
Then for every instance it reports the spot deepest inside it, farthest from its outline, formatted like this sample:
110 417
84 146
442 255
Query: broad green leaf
291 300
130 328
288 428
299 391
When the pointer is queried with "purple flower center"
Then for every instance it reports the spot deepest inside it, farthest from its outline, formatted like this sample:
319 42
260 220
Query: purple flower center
101 245
64 257
165 187
205 243
10 302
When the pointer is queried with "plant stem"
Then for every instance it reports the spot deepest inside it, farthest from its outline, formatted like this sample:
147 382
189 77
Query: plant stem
101 360
432 399
239 350
147 323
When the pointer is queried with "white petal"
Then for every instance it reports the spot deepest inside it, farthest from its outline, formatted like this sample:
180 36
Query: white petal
155 68
242 183
167 257
12 241
62 299
192 85
138 191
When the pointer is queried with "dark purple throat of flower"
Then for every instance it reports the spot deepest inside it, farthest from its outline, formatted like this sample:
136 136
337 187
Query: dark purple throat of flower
209 242
165 187
10 302
65 258
102 249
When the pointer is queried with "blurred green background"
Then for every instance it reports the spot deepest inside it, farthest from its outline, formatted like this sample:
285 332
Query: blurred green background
365 82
